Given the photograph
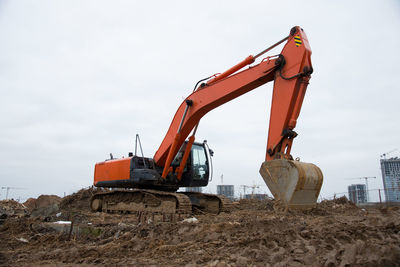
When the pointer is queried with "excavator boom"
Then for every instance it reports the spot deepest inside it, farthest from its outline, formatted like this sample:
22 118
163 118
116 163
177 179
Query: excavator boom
290 71
208 98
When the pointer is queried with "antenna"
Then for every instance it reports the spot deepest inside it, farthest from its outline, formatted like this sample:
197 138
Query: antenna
137 140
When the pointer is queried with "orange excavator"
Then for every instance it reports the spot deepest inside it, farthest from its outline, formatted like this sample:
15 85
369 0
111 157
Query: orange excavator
149 185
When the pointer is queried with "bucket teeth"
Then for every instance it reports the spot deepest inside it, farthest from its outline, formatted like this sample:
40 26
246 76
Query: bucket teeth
296 184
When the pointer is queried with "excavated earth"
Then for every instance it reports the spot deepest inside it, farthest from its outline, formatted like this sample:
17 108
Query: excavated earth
254 233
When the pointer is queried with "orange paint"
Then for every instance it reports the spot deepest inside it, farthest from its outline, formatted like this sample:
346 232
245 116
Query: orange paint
117 169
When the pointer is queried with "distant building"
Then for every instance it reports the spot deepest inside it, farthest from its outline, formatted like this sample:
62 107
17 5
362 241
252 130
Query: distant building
391 179
226 190
194 189
357 193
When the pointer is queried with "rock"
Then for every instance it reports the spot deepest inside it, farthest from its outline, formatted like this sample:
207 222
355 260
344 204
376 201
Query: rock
21 239
190 220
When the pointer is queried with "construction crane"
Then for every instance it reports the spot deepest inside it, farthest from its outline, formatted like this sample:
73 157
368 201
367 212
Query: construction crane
7 188
387 153
253 188
366 183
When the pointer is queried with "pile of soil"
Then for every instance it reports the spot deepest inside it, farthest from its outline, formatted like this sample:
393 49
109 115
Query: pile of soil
11 207
255 233
78 201
42 201
254 204
44 205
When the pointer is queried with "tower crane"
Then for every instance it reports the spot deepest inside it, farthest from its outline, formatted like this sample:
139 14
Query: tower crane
253 188
7 188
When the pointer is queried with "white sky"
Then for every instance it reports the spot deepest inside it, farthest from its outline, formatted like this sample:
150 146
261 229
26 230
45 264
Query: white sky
79 79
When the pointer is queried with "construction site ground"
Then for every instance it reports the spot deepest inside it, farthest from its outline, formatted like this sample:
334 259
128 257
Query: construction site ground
51 231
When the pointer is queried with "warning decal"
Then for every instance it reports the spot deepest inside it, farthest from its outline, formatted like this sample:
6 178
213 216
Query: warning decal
297 40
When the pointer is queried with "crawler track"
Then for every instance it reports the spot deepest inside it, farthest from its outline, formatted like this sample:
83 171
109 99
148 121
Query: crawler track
158 205
210 203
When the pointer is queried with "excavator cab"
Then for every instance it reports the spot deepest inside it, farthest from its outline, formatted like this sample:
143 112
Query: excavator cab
141 172
198 168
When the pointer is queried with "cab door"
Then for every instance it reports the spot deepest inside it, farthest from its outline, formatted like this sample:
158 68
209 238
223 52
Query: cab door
197 170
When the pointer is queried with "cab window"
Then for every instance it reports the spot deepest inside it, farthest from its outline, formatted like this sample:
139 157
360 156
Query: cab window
200 164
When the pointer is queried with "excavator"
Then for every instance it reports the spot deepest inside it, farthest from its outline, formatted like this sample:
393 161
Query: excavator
146 185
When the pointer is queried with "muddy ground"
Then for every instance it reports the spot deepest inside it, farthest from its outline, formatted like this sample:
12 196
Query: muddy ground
335 233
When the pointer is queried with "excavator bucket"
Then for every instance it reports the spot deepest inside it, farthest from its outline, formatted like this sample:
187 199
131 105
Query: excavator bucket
296 184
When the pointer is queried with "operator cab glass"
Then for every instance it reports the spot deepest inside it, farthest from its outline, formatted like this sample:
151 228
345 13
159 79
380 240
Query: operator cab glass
200 163
197 169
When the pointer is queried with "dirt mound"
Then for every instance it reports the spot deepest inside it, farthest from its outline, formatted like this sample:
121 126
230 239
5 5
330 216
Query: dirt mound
44 205
334 233
42 201
12 208
255 204
335 206
30 203
78 201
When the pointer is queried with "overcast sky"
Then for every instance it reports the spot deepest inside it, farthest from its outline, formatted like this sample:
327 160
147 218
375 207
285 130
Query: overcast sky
79 79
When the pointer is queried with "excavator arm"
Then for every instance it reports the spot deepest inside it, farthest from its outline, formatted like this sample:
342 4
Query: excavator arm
290 71
205 99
